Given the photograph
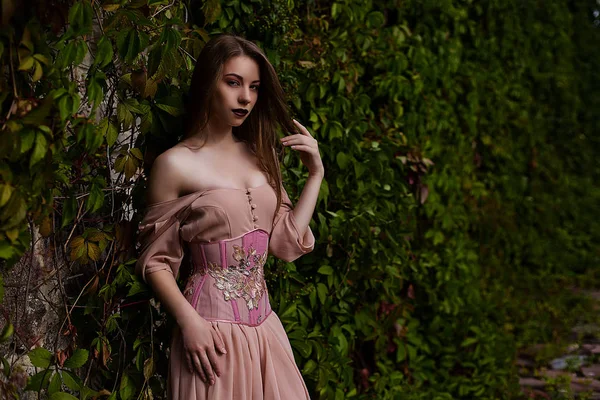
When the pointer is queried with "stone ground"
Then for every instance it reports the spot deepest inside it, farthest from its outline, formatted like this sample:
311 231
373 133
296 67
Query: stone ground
573 375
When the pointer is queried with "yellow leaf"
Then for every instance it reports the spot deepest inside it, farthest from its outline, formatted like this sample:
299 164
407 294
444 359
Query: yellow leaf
111 7
120 163
137 153
12 234
26 64
93 251
151 88
77 248
130 167
5 193
42 58
37 74
46 227
148 368
96 236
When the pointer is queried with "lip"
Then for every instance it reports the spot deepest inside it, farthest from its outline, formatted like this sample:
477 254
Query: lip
240 112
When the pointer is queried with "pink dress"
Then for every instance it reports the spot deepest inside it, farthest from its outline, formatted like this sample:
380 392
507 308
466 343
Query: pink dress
229 234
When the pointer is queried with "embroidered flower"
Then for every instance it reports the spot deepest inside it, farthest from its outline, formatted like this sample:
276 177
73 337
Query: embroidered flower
244 280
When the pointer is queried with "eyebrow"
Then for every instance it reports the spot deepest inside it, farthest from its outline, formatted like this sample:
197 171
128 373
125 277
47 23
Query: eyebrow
240 78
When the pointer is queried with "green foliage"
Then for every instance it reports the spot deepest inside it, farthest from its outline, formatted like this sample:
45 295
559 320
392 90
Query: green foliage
460 175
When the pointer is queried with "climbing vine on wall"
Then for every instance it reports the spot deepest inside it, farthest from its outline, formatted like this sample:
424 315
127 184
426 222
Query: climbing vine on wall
456 138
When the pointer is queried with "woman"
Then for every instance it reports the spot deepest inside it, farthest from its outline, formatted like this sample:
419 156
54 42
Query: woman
217 195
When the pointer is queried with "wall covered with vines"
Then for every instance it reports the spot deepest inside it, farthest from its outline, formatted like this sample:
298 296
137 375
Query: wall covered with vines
459 142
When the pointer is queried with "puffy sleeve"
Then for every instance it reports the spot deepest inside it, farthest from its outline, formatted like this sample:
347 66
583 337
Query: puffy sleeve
160 245
285 241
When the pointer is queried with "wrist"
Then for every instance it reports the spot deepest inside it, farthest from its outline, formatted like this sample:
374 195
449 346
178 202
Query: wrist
316 175
186 315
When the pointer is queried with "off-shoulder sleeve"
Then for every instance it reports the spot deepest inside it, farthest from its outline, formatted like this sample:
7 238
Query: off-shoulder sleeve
161 247
285 241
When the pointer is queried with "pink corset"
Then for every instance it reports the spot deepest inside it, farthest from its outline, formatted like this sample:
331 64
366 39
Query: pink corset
227 281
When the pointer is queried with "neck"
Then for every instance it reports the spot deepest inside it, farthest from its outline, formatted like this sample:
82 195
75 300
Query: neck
217 134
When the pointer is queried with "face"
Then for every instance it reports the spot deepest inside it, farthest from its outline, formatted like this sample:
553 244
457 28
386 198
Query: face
237 91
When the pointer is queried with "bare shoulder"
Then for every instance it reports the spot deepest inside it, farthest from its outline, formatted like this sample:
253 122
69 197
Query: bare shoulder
167 175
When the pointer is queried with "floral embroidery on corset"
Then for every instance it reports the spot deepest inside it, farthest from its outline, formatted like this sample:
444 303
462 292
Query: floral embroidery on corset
241 281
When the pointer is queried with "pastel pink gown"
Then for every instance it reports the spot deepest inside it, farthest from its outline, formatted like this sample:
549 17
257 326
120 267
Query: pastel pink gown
229 234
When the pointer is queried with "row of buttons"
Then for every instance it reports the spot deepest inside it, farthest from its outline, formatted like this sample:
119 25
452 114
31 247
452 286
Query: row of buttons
252 207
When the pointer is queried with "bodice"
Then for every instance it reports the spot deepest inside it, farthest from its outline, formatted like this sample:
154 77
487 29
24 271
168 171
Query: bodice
227 282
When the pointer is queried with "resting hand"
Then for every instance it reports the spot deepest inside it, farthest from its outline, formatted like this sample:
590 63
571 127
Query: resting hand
309 150
200 341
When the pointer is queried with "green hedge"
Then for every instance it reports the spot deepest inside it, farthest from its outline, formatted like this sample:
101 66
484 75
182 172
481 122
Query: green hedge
459 197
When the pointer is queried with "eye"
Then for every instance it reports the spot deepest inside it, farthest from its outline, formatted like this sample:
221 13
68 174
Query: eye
254 87
233 83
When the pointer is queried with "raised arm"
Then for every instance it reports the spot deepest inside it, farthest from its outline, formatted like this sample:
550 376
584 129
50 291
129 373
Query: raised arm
291 235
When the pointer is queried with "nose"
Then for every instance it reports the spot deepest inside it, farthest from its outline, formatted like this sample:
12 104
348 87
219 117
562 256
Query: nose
244 96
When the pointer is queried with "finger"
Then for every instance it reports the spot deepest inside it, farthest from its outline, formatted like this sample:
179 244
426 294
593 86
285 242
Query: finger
295 135
296 140
303 130
188 361
212 357
198 366
207 368
303 147
218 341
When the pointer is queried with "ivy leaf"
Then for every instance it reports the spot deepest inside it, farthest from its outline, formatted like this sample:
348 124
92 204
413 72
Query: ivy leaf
137 287
212 11
73 53
309 367
290 311
14 212
69 210
62 396
26 63
124 115
128 162
107 130
78 359
40 357
127 387
325 270
38 72
130 44
170 38
39 381
170 109
6 252
93 251
95 88
55 384
39 150
72 381
137 153
322 292
104 53
77 248
342 160
27 139
95 199
5 192
92 138
149 368
80 18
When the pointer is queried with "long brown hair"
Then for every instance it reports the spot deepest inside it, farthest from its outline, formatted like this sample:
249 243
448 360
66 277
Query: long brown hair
269 113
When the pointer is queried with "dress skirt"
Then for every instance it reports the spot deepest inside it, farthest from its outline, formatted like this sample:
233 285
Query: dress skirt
259 365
